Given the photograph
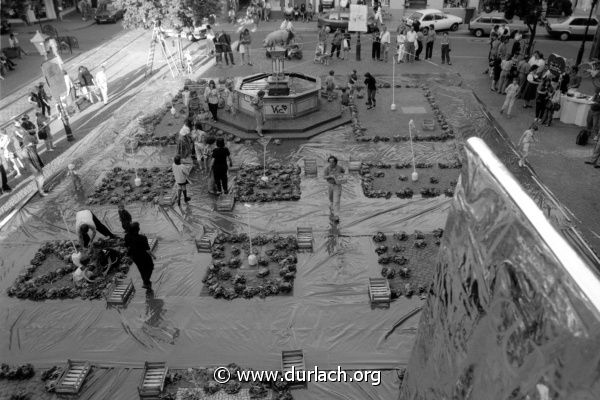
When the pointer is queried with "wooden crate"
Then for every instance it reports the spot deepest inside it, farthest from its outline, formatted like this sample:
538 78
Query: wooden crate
428 124
295 359
225 202
72 378
379 291
304 236
153 378
167 200
354 164
204 244
119 292
310 167
234 168
152 242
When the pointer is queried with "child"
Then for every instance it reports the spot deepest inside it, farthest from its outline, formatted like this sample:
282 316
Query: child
345 99
124 217
189 61
75 178
511 95
181 173
200 146
320 55
81 276
524 143
330 85
445 49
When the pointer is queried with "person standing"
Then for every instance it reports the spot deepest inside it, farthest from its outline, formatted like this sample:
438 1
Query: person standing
505 67
32 157
4 187
511 95
13 43
376 48
530 90
323 33
181 174
334 177
258 104
267 10
401 43
39 97
386 40
102 83
336 43
225 41
411 38
85 220
64 117
330 85
346 45
185 143
139 251
540 100
211 94
419 44
522 71
220 157
429 42
245 40
371 84
9 151
44 132
352 82
124 217
525 142
445 42
88 85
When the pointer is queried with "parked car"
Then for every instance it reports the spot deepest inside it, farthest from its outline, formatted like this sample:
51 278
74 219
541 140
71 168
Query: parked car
571 27
438 19
108 12
336 20
483 25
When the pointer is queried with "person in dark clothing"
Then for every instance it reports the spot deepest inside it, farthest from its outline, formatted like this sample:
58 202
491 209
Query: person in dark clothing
39 98
225 41
376 49
371 84
139 251
3 177
220 156
124 217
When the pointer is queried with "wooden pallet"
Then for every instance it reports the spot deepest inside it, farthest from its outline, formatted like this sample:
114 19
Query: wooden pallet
72 378
428 124
225 202
354 164
295 359
119 292
204 244
152 243
379 291
153 379
234 168
305 239
310 167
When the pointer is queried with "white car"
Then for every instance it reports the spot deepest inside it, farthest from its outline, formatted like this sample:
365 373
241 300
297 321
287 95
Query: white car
573 26
438 19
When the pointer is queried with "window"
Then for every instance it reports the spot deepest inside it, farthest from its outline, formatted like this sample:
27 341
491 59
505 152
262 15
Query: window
484 21
578 22
593 22
428 17
439 17
499 21
456 3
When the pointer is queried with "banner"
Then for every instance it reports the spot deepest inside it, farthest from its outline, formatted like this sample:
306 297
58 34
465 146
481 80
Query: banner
53 72
358 18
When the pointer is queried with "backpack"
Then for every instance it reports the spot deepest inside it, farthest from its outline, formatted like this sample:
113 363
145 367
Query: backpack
582 137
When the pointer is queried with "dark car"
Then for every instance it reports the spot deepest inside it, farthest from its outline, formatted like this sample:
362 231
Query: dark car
108 12
336 20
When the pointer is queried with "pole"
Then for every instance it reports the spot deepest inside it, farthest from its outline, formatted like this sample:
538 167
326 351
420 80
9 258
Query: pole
358 48
415 175
587 27
393 106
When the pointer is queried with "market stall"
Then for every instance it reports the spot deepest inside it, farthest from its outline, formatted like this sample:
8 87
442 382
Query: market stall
574 108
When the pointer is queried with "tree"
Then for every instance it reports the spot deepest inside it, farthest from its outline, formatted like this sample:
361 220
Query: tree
530 11
172 14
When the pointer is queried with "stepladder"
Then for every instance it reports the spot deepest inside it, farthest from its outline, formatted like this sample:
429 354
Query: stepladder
158 38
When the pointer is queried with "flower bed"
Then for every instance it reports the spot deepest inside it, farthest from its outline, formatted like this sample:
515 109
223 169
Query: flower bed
21 372
49 274
381 180
442 130
199 384
408 261
119 185
229 276
283 183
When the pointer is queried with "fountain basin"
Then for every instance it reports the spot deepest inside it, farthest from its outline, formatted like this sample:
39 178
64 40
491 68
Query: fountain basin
302 99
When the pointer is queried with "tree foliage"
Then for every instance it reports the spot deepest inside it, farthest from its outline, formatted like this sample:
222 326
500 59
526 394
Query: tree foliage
175 14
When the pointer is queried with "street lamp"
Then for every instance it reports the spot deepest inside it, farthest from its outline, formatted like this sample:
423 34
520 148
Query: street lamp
252 260
393 106
415 174
587 27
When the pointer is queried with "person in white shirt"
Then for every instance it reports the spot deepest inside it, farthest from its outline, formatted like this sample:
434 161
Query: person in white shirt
80 275
102 83
411 38
287 25
85 220
386 40
13 43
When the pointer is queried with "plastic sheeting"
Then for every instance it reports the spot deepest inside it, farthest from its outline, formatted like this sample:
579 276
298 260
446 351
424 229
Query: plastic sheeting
506 319
328 316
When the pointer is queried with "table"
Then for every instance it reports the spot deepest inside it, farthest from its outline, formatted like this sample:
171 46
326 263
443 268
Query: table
574 110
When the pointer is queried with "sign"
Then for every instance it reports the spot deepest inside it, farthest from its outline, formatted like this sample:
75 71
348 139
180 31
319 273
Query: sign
55 77
358 18
556 64
278 109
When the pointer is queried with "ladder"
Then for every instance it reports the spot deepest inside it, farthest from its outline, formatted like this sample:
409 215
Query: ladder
158 37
